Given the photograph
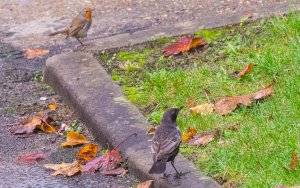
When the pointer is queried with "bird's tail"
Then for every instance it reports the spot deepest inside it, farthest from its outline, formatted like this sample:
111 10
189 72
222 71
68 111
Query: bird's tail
158 167
65 31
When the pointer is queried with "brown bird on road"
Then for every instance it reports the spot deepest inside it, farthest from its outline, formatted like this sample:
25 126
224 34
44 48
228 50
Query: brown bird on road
79 25
166 142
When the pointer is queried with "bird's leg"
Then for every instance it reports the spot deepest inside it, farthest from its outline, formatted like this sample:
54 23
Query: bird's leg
177 173
79 41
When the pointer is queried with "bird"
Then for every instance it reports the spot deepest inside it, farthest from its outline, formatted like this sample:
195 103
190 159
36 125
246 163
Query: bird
79 25
166 142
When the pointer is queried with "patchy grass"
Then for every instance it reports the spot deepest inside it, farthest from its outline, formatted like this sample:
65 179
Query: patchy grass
258 154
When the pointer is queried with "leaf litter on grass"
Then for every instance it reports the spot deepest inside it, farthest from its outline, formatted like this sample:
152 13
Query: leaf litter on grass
229 103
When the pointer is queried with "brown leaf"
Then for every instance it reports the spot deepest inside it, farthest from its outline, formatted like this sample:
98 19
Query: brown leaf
151 131
54 104
244 72
27 125
190 133
190 102
40 120
294 161
204 109
33 53
87 153
66 169
30 158
201 139
183 45
146 184
229 104
120 172
262 93
73 139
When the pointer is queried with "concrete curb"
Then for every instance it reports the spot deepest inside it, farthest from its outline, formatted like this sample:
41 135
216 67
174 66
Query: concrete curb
99 101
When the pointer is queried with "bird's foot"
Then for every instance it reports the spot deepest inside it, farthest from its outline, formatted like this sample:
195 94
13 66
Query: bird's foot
178 175
165 176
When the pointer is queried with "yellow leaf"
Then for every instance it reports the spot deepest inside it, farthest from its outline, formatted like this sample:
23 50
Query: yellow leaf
73 139
190 133
203 109
66 169
88 152
54 104
46 127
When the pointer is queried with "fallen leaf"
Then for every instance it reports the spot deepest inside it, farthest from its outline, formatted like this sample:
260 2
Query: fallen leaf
243 72
33 53
183 45
229 104
30 158
66 169
151 131
262 93
46 127
73 139
27 125
109 161
88 152
146 184
201 139
190 102
54 104
120 172
204 109
294 161
190 133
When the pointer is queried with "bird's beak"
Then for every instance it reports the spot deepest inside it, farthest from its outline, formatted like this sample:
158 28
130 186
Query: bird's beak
181 108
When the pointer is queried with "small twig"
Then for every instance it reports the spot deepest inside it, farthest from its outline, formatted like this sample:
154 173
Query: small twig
134 134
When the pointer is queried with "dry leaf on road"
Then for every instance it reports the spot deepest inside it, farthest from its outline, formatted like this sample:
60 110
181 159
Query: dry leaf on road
31 158
183 45
30 123
73 139
109 161
203 109
54 104
202 138
66 169
243 72
33 53
146 184
88 152
189 134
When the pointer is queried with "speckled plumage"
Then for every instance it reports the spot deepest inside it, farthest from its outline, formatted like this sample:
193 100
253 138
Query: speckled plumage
166 142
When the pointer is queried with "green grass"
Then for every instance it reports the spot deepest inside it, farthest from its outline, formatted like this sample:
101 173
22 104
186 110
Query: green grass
258 154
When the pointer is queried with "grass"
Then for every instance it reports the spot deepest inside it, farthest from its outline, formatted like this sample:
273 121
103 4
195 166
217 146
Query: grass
259 153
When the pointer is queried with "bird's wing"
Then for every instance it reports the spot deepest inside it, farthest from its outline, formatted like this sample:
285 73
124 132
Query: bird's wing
166 147
76 26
